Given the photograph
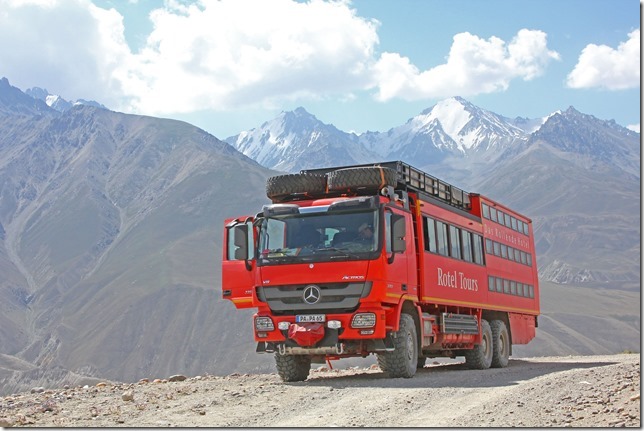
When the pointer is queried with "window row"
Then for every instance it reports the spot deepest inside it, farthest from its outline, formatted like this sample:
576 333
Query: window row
447 240
504 219
507 252
501 285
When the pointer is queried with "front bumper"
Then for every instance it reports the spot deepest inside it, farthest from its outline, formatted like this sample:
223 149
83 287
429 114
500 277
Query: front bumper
334 341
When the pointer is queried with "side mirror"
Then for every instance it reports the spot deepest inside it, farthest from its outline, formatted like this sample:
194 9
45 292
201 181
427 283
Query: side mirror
240 235
398 230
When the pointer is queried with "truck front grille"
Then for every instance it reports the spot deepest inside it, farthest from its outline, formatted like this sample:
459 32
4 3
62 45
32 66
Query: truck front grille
333 297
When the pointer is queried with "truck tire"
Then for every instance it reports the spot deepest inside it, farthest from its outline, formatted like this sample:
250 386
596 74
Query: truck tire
480 357
355 178
293 368
403 360
500 344
280 186
382 362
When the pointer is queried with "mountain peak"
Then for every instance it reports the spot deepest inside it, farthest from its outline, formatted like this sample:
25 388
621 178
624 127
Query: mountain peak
14 100
301 111
56 102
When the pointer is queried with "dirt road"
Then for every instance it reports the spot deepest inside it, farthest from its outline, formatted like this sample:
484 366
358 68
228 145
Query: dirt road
579 391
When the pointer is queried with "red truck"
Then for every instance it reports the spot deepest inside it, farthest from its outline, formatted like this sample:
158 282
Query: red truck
384 259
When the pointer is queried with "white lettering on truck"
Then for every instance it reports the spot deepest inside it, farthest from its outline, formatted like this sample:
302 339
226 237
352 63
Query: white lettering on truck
457 280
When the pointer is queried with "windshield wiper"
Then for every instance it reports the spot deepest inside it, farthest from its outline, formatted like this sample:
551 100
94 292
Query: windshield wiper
345 253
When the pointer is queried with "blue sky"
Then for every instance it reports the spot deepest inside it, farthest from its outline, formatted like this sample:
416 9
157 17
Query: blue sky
229 65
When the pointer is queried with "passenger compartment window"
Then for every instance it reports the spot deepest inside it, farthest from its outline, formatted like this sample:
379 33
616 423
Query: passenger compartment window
455 240
441 238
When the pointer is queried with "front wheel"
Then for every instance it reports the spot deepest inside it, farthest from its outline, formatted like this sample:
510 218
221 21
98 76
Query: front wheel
293 368
403 360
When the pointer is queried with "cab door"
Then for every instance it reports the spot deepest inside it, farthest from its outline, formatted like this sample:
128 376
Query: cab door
239 263
399 249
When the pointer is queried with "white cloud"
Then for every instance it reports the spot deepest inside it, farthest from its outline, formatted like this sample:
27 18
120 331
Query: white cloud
605 67
216 55
205 55
474 66
65 45
238 53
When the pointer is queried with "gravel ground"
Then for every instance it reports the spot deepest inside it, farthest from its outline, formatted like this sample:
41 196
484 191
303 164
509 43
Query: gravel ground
570 391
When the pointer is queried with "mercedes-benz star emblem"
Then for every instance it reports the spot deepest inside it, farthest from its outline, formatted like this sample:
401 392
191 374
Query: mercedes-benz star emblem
312 294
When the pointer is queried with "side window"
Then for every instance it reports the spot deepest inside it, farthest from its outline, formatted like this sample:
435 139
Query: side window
506 286
514 223
493 214
329 234
499 285
507 220
486 211
500 216
490 283
478 249
497 249
525 229
467 245
488 246
441 238
430 234
455 240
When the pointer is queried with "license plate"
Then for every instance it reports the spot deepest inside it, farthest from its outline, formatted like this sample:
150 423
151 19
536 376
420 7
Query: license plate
307 318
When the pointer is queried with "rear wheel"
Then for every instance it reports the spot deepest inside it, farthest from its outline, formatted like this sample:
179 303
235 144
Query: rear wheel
403 360
480 357
293 368
500 344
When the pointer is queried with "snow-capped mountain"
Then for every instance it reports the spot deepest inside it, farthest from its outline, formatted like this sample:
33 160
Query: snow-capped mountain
297 140
58 103
451 126
453 129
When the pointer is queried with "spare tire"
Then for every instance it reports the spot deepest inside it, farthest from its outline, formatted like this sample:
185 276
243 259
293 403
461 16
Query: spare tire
375 177
280 186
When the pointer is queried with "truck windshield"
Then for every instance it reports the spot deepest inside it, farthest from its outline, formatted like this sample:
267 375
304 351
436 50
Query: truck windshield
315 234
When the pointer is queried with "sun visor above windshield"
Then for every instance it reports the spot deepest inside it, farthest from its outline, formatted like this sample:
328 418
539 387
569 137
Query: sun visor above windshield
360 203
280 210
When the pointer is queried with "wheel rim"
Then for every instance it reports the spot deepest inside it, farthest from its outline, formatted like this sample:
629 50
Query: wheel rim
502 345
487 346
410 347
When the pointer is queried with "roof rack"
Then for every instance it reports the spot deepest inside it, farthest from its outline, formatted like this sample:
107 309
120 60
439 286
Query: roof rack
413 179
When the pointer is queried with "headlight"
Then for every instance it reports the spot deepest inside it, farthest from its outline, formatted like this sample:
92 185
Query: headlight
264 324
363 320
